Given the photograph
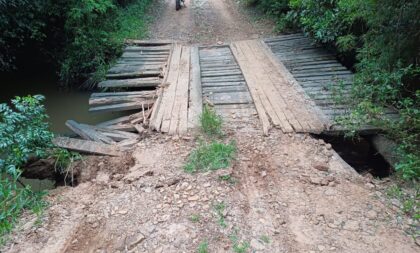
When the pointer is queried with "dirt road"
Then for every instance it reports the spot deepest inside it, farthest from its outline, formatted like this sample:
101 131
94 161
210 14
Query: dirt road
205 21
287 193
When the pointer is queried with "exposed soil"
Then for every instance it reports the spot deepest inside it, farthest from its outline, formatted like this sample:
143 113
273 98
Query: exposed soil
288 193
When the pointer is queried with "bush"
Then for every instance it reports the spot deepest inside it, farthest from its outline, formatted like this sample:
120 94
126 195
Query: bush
81 37
23 134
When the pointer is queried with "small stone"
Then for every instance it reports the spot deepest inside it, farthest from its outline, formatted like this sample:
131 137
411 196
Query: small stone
351 225
371 215
321 247
193 198
263 173
321 166
207 185
135 240
255 244
328 146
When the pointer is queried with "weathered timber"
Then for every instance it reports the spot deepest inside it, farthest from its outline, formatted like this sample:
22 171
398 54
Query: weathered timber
144 93
118 100
123 106
88 133
148 42
196 99
85 146
134 74
131 83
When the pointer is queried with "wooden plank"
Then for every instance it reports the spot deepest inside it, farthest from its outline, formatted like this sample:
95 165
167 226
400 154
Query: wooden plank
222 84
118 69
120 120
179 115
116 100
123 106
196 99
134 74
167 93
144 93
236 78
256 95
148 42
230 98
133 94
226 73
86 146
275 104
318 120
225 89
148 49
131 83
87 132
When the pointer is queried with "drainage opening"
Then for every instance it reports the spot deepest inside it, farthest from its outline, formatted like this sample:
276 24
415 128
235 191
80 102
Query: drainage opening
360 154
42 175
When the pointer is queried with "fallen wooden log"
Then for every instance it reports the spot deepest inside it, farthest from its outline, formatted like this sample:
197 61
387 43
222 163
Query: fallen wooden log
88 133
131 83
85 146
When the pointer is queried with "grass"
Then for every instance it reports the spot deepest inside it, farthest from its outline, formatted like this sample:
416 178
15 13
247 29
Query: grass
239 246
212 156
228 178
220 208
13 201
410 201
195 218
265 239
203 247
210 122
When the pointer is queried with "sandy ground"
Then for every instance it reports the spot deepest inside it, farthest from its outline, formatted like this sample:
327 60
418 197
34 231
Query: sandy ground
288 193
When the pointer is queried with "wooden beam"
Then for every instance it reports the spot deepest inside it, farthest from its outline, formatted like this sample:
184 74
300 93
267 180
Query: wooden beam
131 83
196 98
88 133
86 146
123 106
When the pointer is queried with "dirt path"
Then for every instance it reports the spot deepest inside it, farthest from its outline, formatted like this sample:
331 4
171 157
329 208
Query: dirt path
205 21
287 193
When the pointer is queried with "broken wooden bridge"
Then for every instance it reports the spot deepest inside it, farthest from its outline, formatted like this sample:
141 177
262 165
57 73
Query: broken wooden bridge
287 81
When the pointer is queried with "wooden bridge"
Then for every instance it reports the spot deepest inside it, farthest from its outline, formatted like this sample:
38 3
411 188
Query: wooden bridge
287 81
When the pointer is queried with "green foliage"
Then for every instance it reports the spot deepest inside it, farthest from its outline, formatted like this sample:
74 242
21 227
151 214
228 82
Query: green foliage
13 200
409 199
211 123
265 239
203 247
195 218
219 208
97 30
23 134
239 246
210 156
82 37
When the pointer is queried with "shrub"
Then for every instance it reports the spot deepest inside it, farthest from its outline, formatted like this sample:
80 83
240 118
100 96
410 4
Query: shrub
23 133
